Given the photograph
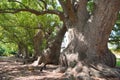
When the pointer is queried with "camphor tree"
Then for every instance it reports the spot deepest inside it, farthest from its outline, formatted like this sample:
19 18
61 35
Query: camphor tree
87 54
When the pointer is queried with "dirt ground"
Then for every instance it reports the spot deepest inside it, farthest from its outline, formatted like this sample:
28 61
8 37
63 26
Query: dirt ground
12 70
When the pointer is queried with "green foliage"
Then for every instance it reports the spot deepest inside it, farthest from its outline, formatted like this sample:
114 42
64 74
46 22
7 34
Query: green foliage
118 62
1 51
90 6
7 49
21 27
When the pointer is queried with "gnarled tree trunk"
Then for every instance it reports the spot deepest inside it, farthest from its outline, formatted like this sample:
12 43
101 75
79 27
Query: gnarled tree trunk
87 54
52 53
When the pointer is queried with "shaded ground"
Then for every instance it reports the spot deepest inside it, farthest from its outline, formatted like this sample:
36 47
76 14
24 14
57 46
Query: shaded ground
12 70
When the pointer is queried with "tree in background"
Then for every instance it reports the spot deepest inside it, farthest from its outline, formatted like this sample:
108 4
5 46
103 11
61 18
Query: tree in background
22 29
15 33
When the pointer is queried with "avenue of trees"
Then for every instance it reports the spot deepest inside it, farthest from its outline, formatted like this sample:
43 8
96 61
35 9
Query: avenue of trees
36 28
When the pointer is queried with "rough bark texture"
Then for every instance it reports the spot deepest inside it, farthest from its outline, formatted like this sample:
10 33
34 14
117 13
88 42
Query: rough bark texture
52 53
87 54
37 41
22 51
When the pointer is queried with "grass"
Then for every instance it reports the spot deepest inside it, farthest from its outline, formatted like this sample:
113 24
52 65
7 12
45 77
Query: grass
118 62
118 59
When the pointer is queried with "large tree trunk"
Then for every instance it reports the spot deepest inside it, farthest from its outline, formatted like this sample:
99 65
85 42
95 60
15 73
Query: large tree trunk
87 54
37 42
52 53
23 50
26 52
19 54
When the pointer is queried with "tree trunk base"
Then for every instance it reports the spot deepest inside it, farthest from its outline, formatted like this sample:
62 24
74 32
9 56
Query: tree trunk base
90 72
36 62
85 69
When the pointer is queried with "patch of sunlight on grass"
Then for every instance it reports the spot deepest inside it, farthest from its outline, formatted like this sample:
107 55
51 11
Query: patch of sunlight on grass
116 51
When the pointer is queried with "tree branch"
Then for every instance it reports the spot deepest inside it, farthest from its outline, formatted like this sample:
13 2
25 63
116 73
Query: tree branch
29 10
82 12
70 10
13 11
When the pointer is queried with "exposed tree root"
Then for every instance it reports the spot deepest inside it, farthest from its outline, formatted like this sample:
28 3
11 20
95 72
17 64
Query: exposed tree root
76 69
91 72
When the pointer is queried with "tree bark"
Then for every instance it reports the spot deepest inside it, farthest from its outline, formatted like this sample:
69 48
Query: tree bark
19 54
87 53
23 51
52 53
37 42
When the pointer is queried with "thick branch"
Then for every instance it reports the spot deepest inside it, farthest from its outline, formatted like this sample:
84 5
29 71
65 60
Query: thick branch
70 10
30 10
60 14
27 9
82 13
